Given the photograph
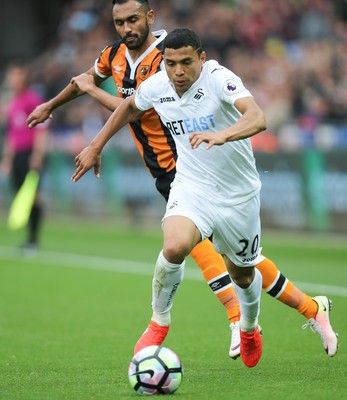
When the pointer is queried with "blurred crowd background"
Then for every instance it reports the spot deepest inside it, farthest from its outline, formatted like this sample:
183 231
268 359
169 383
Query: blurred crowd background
291 54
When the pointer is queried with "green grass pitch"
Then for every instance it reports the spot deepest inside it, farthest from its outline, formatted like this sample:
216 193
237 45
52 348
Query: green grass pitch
69 318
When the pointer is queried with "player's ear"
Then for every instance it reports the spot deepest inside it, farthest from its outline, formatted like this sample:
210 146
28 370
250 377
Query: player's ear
203 56
150 17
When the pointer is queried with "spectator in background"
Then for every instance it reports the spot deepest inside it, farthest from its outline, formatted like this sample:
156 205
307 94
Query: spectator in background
23 148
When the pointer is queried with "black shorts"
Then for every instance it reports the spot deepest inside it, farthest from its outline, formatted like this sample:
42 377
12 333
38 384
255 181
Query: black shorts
163 183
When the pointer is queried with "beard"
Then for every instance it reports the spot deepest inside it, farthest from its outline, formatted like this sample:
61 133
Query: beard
139 39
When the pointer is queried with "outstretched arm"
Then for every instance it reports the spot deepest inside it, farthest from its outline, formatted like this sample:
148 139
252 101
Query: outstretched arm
251 122
90 157
89 84
44 111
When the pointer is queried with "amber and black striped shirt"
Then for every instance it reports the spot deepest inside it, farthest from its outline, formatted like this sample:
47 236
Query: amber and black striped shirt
153 140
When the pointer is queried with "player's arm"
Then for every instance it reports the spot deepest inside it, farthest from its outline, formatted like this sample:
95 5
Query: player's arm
251 122
90 157
88 83
44 111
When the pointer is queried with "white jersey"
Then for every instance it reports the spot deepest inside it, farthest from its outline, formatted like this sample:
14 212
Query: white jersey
224 174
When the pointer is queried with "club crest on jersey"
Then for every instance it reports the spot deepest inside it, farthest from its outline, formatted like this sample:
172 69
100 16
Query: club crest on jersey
144 70
173 205
117 69
230 87
198 95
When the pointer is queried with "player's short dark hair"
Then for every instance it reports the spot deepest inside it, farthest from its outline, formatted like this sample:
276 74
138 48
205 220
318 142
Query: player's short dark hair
143 2
182 37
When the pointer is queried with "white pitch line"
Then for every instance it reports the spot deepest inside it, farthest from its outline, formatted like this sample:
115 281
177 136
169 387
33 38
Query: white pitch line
70 260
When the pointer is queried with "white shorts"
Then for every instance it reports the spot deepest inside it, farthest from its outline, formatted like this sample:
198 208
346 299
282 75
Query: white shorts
235 230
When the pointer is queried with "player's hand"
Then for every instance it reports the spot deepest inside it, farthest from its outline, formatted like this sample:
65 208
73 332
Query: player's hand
39 115
84 82
89 157
212 139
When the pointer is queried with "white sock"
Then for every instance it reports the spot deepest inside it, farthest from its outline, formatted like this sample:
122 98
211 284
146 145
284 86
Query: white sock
163 319
166 280
249 300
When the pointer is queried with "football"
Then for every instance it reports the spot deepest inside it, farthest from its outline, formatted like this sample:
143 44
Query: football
155 370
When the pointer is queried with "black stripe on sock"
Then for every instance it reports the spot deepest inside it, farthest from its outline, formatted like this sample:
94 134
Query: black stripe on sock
278 286
221 282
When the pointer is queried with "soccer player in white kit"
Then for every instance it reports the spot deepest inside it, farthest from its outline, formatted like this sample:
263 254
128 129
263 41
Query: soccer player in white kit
215 193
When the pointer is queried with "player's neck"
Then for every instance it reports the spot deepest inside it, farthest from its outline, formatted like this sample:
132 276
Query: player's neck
135 54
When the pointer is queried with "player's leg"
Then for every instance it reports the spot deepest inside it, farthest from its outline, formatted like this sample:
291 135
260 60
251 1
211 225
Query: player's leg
214 272
209 261
180 236
247 284
216 275
315 309
279 287
166 280
237 237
